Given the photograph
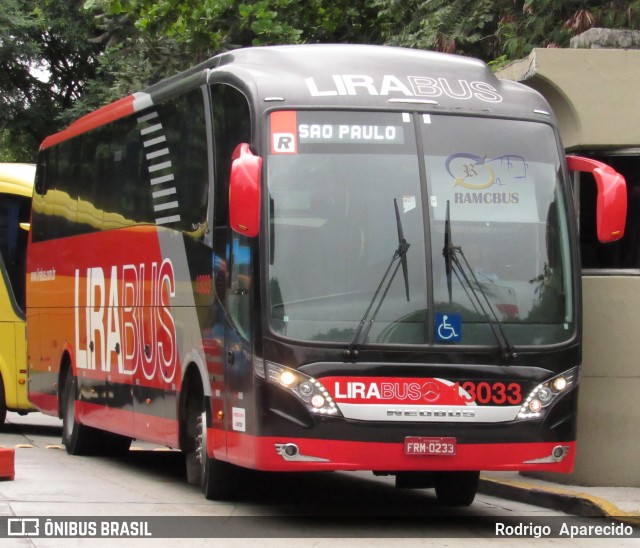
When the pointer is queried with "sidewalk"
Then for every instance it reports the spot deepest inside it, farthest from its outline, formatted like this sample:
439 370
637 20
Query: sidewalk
618 503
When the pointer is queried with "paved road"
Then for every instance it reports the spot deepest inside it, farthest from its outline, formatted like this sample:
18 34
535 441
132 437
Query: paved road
150 482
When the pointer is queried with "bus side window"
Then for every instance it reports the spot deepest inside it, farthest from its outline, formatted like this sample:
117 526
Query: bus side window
13 241
232 252
182 202
239 297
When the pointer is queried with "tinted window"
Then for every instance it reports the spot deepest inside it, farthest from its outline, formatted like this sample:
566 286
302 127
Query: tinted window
150 168
13 241
233 257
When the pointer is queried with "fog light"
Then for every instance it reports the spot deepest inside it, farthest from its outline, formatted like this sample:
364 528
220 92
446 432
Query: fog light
559 452
317 401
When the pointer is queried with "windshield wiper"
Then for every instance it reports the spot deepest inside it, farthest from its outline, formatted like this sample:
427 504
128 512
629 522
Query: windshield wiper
400 255
474 290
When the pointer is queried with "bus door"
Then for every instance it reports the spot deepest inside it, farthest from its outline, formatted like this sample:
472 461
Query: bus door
232 265
232 394
14 214
238 349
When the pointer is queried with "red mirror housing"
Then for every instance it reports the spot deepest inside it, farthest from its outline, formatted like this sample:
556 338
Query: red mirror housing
611 208
245 191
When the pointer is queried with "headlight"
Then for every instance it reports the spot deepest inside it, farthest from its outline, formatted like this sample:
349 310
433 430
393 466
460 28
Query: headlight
308 390
543 395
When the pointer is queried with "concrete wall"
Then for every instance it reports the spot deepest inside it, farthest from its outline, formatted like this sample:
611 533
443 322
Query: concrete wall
609 404
595 95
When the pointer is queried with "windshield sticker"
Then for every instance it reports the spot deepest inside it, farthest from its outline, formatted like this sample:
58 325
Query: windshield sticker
448 327
476 183
283 132
476 172
408 203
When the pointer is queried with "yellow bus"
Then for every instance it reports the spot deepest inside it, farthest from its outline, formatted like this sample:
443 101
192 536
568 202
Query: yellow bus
16 186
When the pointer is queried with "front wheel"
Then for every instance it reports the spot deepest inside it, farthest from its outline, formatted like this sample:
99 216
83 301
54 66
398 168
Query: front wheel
457 488
219 478
216 478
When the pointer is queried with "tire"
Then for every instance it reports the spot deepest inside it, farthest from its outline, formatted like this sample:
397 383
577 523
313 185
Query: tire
216 478
77 438
457 488
219 478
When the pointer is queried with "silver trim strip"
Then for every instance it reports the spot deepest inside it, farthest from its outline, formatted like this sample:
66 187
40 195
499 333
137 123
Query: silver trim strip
412 101
428 413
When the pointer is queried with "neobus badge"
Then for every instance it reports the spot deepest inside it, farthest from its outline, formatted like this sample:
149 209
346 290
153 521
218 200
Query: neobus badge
415 86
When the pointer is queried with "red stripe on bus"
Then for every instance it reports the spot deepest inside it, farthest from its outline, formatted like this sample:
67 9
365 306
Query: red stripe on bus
119 109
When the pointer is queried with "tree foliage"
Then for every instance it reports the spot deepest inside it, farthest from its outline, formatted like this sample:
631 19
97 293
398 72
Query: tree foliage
59 60
490 29
215 25
46 60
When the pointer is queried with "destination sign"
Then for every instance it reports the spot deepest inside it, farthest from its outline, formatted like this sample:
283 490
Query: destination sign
311 130
350 133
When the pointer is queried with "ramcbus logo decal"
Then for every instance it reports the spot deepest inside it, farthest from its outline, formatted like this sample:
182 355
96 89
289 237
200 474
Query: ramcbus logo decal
126 318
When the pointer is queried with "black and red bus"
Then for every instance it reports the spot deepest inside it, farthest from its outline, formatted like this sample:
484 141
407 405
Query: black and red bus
325 257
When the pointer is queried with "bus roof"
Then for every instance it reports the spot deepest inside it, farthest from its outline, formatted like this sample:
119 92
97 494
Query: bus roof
340 76
17 178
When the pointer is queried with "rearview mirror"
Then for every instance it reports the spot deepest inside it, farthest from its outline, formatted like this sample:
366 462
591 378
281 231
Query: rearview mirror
244 191
611 206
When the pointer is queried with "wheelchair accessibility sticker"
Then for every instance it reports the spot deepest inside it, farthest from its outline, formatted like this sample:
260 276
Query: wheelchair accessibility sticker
448 327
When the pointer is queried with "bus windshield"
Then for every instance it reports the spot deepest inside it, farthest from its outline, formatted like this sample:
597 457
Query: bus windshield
481 207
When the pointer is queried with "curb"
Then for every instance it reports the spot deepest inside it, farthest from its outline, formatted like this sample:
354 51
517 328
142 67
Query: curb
564 500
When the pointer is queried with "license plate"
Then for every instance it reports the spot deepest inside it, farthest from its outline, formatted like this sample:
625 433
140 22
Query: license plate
415 445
